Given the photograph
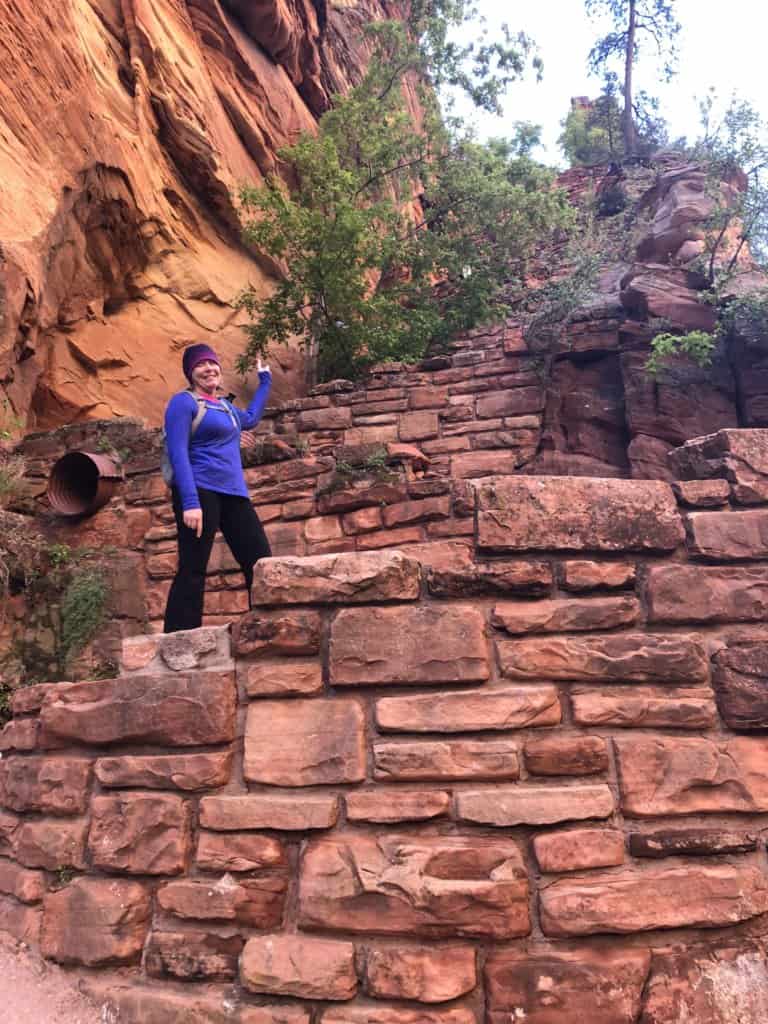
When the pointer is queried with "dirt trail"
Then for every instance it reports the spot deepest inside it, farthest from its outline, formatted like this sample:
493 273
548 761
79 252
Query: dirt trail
35 992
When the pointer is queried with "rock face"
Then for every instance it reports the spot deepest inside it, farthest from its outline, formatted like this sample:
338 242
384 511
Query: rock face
120 233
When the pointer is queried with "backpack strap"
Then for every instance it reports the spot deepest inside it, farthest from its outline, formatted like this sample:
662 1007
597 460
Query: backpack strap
201 409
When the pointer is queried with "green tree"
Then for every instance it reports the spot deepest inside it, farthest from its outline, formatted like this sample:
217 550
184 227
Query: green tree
592 130
633 23
394 237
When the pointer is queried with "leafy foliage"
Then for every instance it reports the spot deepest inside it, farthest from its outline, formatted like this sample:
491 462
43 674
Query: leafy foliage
83 609
394 238
635 22
697 345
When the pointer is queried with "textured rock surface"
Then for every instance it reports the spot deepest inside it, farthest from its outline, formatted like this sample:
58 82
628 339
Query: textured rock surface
411 885
426 975
336 579
290 965
507 708
740 676
96 921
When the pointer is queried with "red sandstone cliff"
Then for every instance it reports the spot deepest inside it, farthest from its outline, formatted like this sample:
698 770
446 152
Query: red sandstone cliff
125 126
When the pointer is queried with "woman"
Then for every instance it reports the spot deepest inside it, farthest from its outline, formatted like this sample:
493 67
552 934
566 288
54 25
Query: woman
209 491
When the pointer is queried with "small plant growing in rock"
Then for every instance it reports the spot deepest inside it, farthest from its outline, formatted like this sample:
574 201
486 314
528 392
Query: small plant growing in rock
83 609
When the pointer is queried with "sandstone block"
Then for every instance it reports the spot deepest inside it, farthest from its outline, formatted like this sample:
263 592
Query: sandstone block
9 824
96 921
20 920
30 698
410 645
238 851
317 530
579 849
297 965
351 578
422 974
596 985
693 593
394 805
50 843
187 772
19 734
702 493
625 657
204 648
254 902
53 785
140 834
136 1002
435 886
690 842
446 759
577 513
417 511
672 776
324 419
689 897
417 426
711 985
566 755
382 1014
564 616
584 575
468 465
294 677
304 742
513 707
364 520
389 538
283 813
645 707
727 536
179 710
533 805
740 676
511 402
21 883
277 632
192 956
532 579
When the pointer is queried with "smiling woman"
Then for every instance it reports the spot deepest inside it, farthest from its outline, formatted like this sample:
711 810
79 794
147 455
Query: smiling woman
208 488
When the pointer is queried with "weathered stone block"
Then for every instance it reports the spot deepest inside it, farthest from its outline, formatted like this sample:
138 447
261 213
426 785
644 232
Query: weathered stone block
53 785
532 579
689 897
564 616
625 657
137 1002
382 1014
294 677
566 755
740 676
691 842
297 965
645 707
239 851
50 843
410 645
19 734
425 975
702 493
435 886
427 510
600 986
386 806
140 834
351 578
728 536
304 742
21 883
96 921
284 813
187 772
192 956
534 805
179 710
446 759
193 649
579 849
671 776
417 426
277 632
694 593
577 514
30 698
585 575
513 707
20 920
254 902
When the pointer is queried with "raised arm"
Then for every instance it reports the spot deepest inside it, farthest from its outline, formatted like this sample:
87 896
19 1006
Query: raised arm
178 425
251 416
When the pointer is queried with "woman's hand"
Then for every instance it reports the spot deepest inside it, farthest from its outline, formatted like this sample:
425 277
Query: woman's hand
193 518
262 367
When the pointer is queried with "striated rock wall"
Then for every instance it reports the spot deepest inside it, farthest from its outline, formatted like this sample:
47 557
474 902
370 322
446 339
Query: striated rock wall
125 128
521 784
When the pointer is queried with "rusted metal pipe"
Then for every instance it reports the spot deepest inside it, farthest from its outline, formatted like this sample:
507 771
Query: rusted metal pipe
81 483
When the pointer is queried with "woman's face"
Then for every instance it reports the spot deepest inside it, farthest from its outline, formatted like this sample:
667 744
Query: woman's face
206 376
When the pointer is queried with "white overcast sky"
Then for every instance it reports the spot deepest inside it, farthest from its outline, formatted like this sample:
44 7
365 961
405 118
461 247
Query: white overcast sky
722 44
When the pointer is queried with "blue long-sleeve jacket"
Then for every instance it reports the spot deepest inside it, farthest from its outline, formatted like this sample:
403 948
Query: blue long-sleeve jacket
210 459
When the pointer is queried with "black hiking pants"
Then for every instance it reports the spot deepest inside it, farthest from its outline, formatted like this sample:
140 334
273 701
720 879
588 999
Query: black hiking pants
243 532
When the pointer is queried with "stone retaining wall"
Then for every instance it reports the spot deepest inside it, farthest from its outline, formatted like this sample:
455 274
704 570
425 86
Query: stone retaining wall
522 782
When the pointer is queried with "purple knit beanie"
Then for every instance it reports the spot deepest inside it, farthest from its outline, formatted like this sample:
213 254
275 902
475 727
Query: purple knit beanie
197 354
